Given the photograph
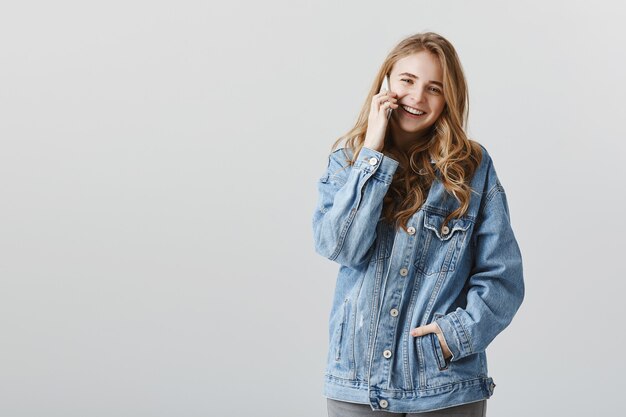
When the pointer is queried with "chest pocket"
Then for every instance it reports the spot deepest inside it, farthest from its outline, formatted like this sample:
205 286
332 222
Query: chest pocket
438 246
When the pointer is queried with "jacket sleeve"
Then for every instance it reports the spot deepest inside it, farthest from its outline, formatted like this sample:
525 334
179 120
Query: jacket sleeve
350 200
495 285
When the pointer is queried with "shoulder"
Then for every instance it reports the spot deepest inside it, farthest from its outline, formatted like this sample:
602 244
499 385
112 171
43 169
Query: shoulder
485 161
486 176
486 167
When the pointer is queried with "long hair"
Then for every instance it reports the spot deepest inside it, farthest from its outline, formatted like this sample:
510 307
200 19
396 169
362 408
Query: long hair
455 155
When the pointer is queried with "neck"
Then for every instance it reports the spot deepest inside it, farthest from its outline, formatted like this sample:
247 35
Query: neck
402 140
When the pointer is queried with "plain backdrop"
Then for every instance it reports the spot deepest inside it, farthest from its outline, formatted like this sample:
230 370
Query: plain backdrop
158 170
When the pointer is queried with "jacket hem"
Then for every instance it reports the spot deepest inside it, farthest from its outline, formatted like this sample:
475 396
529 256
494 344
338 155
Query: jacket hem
409 401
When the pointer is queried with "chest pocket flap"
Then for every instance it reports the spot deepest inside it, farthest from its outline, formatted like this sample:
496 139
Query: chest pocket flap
434 221
439 246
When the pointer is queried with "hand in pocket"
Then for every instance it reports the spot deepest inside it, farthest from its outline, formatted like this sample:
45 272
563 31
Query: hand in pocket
433 328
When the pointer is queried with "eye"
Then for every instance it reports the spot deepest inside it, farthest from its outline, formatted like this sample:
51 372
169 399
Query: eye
406 79
435 90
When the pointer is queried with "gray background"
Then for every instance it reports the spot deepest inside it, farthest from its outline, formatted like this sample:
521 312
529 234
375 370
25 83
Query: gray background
158 176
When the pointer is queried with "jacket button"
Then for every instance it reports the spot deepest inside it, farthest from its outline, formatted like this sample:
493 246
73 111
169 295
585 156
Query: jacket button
383 403
394 312
404 272
445 230
411 230
373 160
387 354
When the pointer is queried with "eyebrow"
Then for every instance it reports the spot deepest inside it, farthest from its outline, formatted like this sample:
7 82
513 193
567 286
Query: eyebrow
408 74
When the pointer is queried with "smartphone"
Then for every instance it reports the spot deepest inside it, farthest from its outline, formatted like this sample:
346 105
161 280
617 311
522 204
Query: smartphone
385 86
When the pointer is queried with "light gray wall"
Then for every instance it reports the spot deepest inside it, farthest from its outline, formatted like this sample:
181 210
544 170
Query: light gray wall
158 172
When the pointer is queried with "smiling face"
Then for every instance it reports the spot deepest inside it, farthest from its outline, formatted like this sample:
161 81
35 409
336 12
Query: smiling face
418 81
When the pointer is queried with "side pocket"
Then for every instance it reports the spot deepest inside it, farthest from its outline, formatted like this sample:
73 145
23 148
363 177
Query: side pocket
442 363
341 330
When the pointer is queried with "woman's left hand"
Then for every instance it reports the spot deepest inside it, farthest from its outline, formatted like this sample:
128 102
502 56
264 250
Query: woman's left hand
433 328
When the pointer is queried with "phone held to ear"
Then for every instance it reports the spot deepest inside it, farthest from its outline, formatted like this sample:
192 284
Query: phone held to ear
385 86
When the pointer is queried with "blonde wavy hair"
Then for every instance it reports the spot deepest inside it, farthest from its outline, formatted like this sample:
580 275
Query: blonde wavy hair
455 155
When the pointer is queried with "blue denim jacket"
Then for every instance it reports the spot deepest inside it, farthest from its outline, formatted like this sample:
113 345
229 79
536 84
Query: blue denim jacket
466 277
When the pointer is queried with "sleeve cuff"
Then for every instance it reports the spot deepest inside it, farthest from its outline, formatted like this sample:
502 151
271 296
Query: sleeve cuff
383 166
455 335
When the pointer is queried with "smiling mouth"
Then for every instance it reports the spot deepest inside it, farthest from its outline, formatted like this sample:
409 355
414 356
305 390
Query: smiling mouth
413 113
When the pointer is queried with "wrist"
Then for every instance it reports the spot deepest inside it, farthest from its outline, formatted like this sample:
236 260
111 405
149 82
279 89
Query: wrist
374 148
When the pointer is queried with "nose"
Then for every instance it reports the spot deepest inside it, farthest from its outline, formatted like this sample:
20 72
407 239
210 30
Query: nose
417 93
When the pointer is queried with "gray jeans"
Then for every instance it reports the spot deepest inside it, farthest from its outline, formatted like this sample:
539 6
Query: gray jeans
347 409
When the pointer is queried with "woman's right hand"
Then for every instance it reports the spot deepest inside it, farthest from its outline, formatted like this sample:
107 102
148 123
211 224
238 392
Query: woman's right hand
377 120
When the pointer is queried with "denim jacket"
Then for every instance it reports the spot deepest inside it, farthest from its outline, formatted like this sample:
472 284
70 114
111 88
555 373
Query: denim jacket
467 277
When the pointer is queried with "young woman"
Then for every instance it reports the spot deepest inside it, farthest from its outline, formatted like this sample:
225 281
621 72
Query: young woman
431 272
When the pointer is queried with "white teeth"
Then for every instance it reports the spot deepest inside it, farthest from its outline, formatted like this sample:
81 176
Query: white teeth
413 111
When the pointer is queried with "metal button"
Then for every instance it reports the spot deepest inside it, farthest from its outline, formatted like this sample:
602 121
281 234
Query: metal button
387 354
383 403
404 272
394 312
373 160
445 230
411 230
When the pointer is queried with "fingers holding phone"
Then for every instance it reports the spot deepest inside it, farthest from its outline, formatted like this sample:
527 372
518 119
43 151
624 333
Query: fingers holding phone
385 88
383 104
